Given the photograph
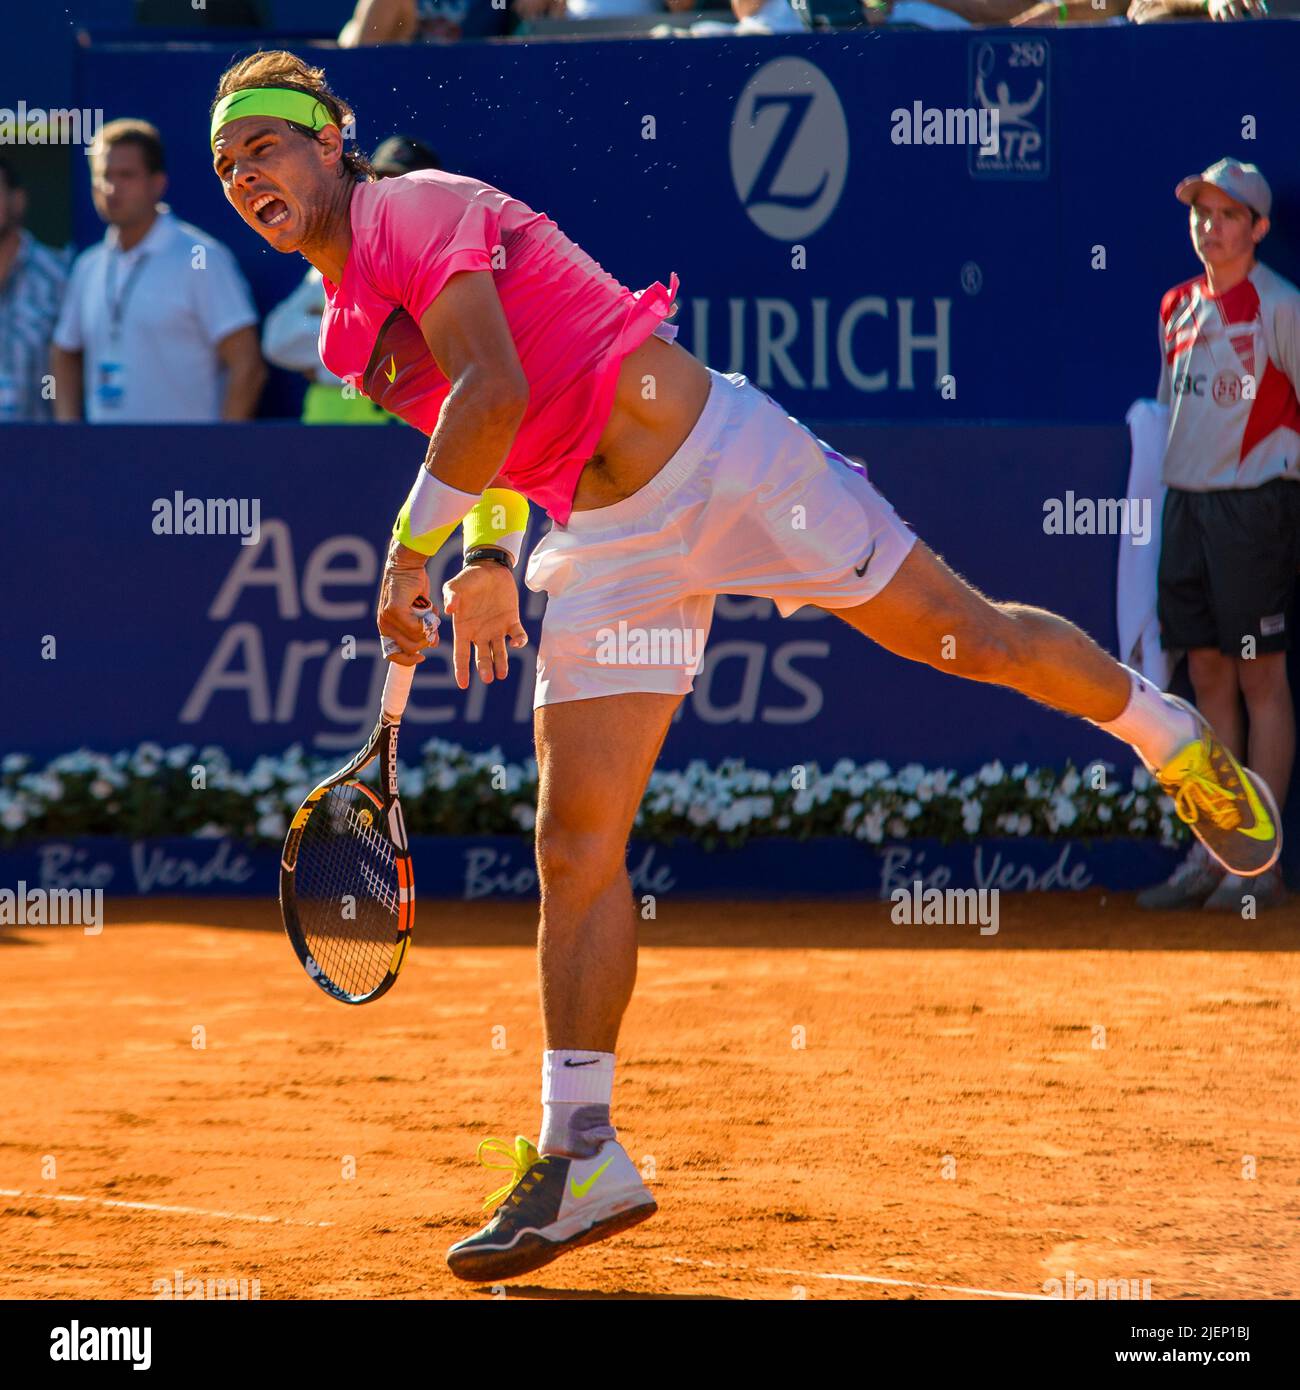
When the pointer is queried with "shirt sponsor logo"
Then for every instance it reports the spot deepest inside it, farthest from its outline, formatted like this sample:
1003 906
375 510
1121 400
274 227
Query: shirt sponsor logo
1225 390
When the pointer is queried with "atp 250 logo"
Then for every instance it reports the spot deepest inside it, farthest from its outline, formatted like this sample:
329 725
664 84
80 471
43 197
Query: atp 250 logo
1013 78
789 149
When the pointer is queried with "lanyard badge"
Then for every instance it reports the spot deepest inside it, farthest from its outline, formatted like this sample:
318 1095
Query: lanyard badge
117 302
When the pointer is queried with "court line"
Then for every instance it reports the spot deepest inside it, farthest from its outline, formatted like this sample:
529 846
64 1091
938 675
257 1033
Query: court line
862 1279
670 1259
159 1207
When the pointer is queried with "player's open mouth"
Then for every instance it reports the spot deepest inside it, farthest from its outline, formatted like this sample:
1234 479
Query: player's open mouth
269 210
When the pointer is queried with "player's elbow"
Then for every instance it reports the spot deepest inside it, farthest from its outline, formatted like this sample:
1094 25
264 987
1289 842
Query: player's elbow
499 395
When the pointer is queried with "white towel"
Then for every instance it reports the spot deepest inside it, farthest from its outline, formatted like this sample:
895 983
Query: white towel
1135 599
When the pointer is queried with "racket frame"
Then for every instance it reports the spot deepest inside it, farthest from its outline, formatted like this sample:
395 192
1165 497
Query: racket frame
382 745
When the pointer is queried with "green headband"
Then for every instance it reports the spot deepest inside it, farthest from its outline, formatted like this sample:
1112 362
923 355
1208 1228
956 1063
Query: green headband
283 102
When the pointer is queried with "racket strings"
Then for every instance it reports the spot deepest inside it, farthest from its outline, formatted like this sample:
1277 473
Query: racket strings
347 891
379 844
384 894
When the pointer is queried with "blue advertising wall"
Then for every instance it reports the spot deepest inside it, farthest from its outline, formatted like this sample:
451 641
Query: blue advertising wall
917 262
200 639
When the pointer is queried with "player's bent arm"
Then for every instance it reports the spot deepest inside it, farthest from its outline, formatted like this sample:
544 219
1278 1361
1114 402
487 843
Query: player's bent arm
66 368
466 332
467 335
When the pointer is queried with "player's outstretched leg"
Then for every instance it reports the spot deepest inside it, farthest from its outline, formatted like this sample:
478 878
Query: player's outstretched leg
927 613
577 1185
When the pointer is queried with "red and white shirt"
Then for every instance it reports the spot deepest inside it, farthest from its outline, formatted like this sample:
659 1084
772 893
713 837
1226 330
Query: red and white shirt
571 321
1230 367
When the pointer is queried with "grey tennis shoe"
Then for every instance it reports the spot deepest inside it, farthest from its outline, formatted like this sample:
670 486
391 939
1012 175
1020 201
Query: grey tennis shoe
551 1204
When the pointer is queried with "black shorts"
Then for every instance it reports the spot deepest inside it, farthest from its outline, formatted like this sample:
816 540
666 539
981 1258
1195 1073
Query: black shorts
1228 564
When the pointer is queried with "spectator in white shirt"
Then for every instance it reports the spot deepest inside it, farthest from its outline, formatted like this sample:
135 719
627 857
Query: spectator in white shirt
157 324
32 281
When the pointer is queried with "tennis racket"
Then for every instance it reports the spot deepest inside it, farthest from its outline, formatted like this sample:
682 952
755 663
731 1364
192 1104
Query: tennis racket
347 895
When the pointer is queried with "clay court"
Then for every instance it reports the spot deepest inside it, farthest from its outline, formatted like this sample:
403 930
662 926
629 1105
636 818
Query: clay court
781 1171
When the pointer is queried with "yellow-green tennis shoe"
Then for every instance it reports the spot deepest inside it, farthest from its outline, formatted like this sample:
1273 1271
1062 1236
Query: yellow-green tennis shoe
1227 807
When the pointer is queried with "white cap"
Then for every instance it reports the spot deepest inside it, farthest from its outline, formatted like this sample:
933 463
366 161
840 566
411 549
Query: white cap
1241 181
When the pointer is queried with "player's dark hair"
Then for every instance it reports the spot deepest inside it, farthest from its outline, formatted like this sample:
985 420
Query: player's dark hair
12 178
277 68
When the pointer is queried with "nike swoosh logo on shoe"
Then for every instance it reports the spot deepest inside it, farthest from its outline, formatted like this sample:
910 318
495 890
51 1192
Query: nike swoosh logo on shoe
1263 827
580 1189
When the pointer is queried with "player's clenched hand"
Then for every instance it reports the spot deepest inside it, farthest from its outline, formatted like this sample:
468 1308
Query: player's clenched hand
405 580
483 604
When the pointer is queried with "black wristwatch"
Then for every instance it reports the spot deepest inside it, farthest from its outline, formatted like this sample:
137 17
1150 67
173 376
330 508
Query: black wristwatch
488 552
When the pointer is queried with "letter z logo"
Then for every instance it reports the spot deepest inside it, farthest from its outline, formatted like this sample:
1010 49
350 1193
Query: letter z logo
789 148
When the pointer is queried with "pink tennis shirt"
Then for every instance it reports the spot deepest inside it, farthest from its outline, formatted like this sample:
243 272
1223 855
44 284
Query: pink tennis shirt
572 322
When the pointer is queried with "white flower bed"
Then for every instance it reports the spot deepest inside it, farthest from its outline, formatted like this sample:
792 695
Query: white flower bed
156 791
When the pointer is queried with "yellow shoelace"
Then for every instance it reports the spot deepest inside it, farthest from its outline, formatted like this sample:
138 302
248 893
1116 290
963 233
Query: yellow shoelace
520 1157
1197 791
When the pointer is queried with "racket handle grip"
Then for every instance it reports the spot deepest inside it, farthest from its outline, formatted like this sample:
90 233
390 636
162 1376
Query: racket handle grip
397 690
397 683
424 611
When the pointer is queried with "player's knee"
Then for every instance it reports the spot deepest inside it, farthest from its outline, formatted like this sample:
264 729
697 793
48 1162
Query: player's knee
572 856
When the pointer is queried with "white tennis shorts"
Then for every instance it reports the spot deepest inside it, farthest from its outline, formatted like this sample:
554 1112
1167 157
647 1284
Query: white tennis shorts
753 503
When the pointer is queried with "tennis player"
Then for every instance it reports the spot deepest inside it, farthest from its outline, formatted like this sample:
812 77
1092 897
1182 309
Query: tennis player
536 374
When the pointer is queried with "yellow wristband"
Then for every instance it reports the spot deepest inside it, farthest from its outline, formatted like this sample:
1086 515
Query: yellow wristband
428 543
499 518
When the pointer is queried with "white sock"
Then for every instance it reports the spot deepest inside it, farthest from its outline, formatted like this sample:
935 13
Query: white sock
577 1091
1151 722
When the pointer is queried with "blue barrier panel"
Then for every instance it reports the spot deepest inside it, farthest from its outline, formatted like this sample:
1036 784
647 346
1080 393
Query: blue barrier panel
201 639
845 273
474 869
